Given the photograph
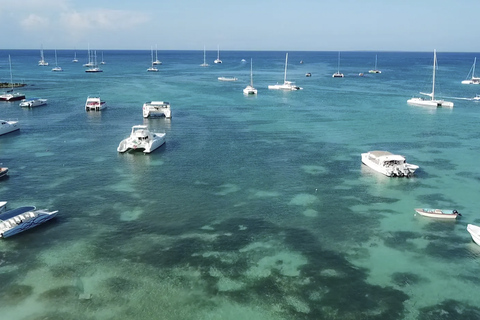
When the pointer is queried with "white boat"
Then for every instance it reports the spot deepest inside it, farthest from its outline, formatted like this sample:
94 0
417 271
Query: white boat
391 165
218 56
473 79
8 126
75 57
227 79
250 89
438 213
3 206
204 64
21 219
476 98
157 109
93 67
3 173
152 68
474 232
375 70
42 61
10 95
95 104
141 139
432 102
156 62
338 74
90 63
33 102
103 61
287 85
56 68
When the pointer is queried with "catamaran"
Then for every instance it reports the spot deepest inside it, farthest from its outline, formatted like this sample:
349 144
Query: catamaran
473 79
56 68
287 85
432 102
250 89
10 95
375 70
152 68
218 56
338 74
156 62
42 61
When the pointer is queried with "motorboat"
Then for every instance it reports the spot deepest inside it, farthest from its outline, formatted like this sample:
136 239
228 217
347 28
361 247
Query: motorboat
473 79
33 102
95 104
227 79
375 70
286 85
157 108
438 213
391 165
474 232
338 74
3 172
23 218
308 74
432 102
8 126
250 89
10 95
218 56
141 139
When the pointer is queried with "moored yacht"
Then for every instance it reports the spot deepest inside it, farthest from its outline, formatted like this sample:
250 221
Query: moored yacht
375 70
204 64
250 89
32 102
287 85
391 165
474 232
338 74
10 95
94 104
141 139
21 219
157 109
218 56
42 61
473 79
8 126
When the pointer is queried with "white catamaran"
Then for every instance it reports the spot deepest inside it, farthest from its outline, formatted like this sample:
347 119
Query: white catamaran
287 85
250 89
473 79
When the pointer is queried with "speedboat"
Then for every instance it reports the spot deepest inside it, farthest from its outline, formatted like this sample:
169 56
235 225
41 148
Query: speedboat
8 126
33 102
474 232
3 172
95 104
287 85
391 165
438 213
141 139
227 79
23 218
157 108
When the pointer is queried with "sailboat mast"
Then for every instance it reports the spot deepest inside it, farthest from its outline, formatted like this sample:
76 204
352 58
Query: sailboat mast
434 67
375 62
286 62
338 63
11 77
251 72
474 63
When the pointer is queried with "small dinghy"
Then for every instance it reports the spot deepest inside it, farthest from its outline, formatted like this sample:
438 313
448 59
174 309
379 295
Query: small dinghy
438 213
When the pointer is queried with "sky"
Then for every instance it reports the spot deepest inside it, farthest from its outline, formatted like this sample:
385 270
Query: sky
295 25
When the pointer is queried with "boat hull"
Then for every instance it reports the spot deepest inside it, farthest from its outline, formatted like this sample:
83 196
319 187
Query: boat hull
438 213
420 102
156 109
8 126
376 159
30 103
474 233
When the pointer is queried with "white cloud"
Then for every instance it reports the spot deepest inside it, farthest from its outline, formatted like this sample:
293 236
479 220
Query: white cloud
34 22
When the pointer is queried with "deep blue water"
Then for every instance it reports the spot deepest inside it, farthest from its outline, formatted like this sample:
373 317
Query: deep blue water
256 207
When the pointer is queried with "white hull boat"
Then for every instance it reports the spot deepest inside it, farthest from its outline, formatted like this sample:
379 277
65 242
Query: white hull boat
8 126
218 56
227 79
3 173
338 74
156 62
152 68
432 102
474 232
10 95
157 109
389 164
141 139
33 102
95 104
438 213
473 79
375 70
42 61
287 85
250 89
21 219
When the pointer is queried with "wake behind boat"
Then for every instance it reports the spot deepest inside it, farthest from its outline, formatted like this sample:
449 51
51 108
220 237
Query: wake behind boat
141 139
21 219
391 165
438 213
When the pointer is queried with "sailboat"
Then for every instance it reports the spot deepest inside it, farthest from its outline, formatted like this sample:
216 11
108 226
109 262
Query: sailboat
338 74
218 56
432 102
56 68
75 57
473 79
156 62
94 66
204 64
10 95
90 62
103 61
287 85
375 70
250 89
42 61
152 68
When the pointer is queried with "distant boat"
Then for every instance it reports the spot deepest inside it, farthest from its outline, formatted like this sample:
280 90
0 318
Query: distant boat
473 79
42 61
156 62
8 126
141 139
218 56
56 68
3 173
391 165
94 67
438 213
287 85
204 64
250 89
308 74
152 68
95 104
227 79
375 70
157 109
338 74
103 61
432 102
75 57
476 98
10 95
474 232
33 102
90 63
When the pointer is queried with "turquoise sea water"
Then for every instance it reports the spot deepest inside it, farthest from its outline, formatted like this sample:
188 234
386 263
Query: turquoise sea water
256 207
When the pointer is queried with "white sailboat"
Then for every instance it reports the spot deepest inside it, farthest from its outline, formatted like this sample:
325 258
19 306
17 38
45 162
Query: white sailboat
204 64
287 85
90 63
375 70
218 56
156 62
42 61
473 79
103 61
94 66
75 57
10 95
152 68
56 68
432 102
250 89
338 74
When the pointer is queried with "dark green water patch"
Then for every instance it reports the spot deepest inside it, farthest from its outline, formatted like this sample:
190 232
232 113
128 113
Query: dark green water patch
450 310
64 294
14 294
403 279
400 240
